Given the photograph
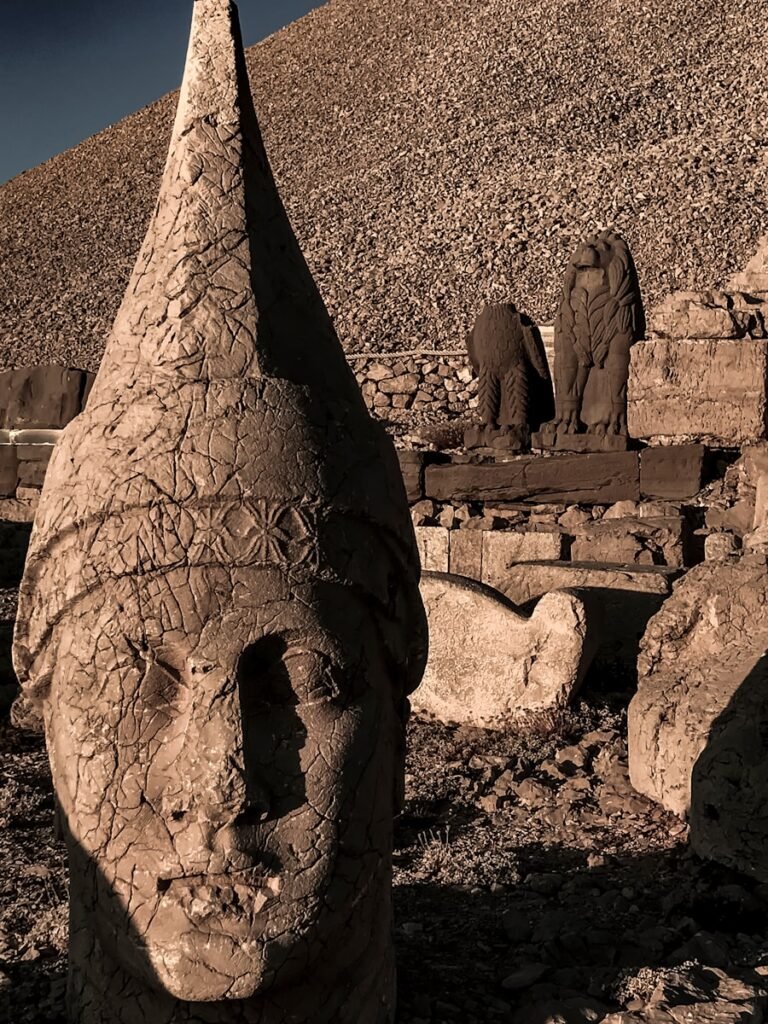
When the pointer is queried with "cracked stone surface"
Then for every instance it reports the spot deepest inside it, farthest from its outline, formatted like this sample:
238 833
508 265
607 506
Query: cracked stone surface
488 663
220 616
698 722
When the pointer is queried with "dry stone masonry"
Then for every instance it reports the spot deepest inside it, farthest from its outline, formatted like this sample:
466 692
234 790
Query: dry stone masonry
220 617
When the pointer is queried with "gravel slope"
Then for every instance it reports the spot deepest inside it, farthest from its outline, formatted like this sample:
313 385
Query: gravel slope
433 154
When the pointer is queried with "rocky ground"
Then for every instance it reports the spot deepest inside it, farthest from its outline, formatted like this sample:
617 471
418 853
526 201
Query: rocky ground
532 886
433 155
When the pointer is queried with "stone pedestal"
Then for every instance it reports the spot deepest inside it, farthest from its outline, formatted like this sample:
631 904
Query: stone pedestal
510 439
559 441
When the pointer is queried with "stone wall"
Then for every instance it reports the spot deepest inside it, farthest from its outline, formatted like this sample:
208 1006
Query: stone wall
416 387
422 387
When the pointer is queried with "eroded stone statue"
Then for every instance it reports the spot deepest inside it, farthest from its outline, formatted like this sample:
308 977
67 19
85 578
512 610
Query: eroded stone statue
600 318
220 616
514 389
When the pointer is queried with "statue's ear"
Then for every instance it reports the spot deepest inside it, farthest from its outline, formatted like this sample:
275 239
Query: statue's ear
398 780
58 821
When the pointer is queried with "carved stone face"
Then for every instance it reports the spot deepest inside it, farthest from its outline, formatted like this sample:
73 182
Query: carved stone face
225 747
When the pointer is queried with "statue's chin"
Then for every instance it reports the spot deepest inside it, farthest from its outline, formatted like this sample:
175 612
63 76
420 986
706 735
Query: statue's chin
201 967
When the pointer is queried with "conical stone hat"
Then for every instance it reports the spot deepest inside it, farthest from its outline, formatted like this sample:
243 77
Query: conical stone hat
225 426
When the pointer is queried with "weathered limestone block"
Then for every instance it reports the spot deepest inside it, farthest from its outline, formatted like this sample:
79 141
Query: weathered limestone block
672 472
33 463
599 478
631 541
503 549
42 396
220 617
466 553
487 662
433 543
620 601
712 391
700 690
485 555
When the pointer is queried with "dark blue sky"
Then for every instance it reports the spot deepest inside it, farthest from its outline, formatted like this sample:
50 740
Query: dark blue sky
68 68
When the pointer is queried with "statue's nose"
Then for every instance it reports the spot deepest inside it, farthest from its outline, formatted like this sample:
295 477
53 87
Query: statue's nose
212 765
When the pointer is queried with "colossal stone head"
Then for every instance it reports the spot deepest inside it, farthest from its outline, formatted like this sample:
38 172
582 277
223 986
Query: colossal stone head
221 618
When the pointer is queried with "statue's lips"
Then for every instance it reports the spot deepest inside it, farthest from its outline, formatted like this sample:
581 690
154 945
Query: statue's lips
234 903
255 878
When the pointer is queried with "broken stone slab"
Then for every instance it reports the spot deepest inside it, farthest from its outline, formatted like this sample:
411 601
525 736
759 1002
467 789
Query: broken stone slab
712 391
710 314
672 472
42 396
487 662
621 600
701 706
597 478
632 541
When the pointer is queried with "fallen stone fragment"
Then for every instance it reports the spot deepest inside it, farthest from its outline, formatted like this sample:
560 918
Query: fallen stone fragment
698 721
632 541
718 546
709 314
487 662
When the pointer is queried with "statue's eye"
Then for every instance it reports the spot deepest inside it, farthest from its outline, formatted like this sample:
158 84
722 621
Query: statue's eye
160 681
262 679
160 685
272 675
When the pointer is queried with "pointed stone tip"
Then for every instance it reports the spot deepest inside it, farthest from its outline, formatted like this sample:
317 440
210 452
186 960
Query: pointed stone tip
221 289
